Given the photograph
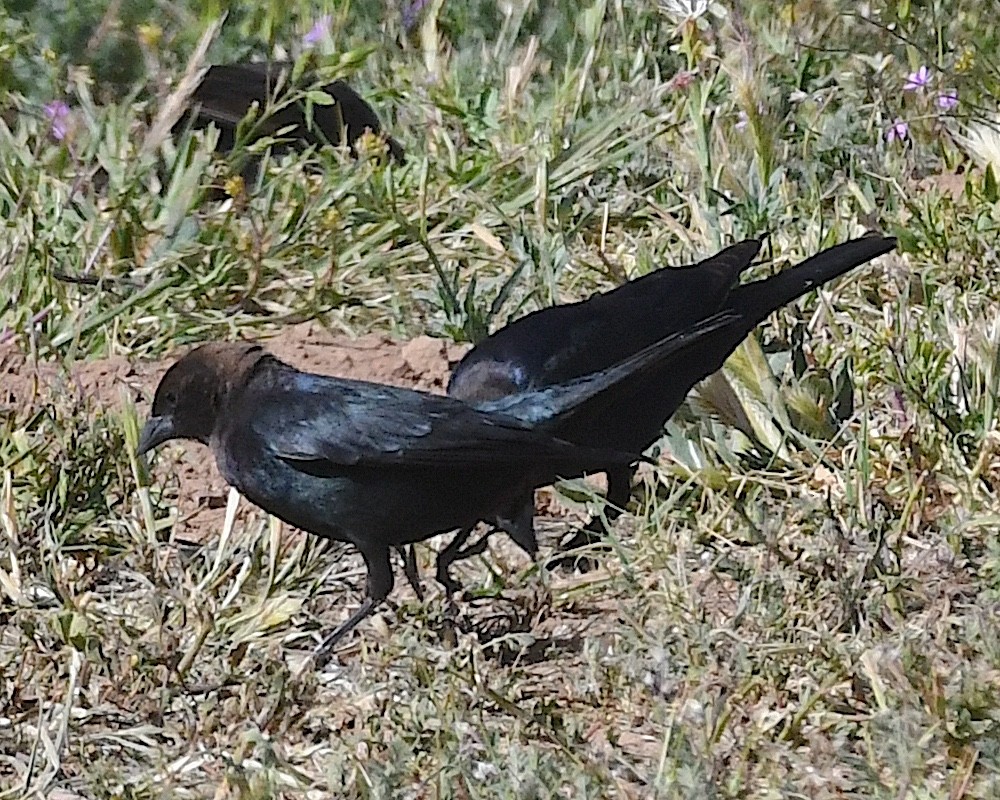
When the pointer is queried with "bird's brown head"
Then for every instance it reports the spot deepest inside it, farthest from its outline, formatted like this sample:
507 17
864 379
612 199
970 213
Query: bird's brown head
194 391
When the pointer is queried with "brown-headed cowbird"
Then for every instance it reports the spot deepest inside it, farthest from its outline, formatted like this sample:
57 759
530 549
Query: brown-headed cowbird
227 92
557 344
380 466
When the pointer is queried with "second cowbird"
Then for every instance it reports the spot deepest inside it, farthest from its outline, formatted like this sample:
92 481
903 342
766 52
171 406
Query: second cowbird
380 466
228 91
557 344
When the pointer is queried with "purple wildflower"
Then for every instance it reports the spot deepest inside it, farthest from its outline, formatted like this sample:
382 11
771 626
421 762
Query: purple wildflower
58 113
681 80
742 120
411 12
898 130
948 100
918 80
318 32
898 402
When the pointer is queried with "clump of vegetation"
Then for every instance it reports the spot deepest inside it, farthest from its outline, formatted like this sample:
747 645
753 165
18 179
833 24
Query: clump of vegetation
804 602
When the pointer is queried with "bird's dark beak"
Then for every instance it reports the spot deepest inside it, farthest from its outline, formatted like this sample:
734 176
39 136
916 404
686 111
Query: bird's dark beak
155 432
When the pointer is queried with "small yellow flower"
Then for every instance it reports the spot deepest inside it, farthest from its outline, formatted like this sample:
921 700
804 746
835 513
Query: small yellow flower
371 145
150 35
332 218
966 60
234 186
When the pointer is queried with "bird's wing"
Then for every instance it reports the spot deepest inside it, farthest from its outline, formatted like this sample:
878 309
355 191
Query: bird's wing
560 343
325 423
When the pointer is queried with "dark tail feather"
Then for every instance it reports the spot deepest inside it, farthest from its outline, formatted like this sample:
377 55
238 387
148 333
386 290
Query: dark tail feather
748 305
756 301
554 404
727 264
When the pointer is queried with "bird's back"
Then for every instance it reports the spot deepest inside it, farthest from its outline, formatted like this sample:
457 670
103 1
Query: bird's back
227 92
557 344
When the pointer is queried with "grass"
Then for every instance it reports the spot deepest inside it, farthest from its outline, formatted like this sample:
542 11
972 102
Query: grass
804 602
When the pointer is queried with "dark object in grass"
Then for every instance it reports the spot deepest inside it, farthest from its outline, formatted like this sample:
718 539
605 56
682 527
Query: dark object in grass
557 344
380 466
227 92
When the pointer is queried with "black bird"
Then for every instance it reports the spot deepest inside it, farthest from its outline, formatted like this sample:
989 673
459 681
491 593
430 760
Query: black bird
557 344
227 92
380 466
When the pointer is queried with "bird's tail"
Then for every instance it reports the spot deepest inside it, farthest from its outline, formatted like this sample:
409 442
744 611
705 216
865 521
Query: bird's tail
554 405
756 301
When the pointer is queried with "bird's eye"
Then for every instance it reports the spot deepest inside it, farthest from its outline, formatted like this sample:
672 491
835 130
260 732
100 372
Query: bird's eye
170 399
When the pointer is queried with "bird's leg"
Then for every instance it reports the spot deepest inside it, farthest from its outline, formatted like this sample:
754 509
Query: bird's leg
476 547
379 585
455 552
409 554
619 492
520 525
518 521
322 654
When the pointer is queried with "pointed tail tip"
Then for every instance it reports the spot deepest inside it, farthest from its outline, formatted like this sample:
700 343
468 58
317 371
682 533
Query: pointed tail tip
864 248
870 236
888 241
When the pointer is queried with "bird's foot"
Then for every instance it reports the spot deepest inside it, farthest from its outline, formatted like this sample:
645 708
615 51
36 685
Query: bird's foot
321 655
456 552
